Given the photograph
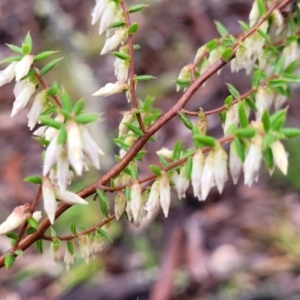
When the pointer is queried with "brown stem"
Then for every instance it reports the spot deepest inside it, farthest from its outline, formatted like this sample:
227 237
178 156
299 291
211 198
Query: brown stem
131 67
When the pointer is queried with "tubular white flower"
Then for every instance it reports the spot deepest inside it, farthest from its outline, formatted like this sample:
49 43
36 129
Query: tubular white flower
128 211
63 171
253 160
280 156
90 148
108 16
19 215
98 244
182 183
111 89
254 14
153 198
69 257
232 117
185 74
85 243
55 251
198 164
291 53
136 200
127 118
201 51
165 193
69 197
120 205
37 215
75 147
165 152
8 74
36 109
220 168
24 91
22 67
49 199
114 41
121 69
264 100
98 10
235 163
207 178
52 152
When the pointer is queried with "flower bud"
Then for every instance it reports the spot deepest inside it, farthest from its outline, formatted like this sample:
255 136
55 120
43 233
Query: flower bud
165 193
55 249
280 156
37 215
8 74
207 178
198 164
136 201
235 163
127 118
37 108
69 258
69 197
98 10
120 205
220 168
111 89
185 74
114 41
165 152
108 16
182 183
49 199
85 243
153 198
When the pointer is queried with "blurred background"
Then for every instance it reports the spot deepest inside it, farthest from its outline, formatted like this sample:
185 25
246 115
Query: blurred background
242 245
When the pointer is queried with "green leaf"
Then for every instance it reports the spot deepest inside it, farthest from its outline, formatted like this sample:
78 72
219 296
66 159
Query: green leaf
104 203
103 234
291 67
73 229
242 115
155 170
133 171
9 260
50 122
62 136
185 121
261 7
205 140
52 232
66 102
50 66
163 161
121 55
177 150
211 45
121 144
33 179
245 133
251 104
268 140
279 66
221 28
143 77
33 223
31 230
240 149
12 235
133 28
264 35
268 158
228 100
232 90
25 49
291 78
78 107
256 79
226 54
39 246
134 129
140 155
278 119
43 55
222 116
188 168
87 118
19 252
136 8
127 193
266 120
290 132
117 24
15 49
53 90
11 59
277 83
42 141
183 83
28 41
70 247
244 26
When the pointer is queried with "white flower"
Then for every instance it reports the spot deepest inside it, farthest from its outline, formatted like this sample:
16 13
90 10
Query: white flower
49 199
98 244
201 51
55 250
291 53
69 259
235 163
110 89
185 74
127 118
153 198
198 164
207 178
90 148
108 16
121 69
165 152
63 171
220 168
254 14
8 74
98 10
85 243
52 152
23 91
253 160
113 42
165 193
23 66
69 197
37 108
120 205
232 117
75 147
37 215
264 100
280 156
182 183
136 200
19 215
